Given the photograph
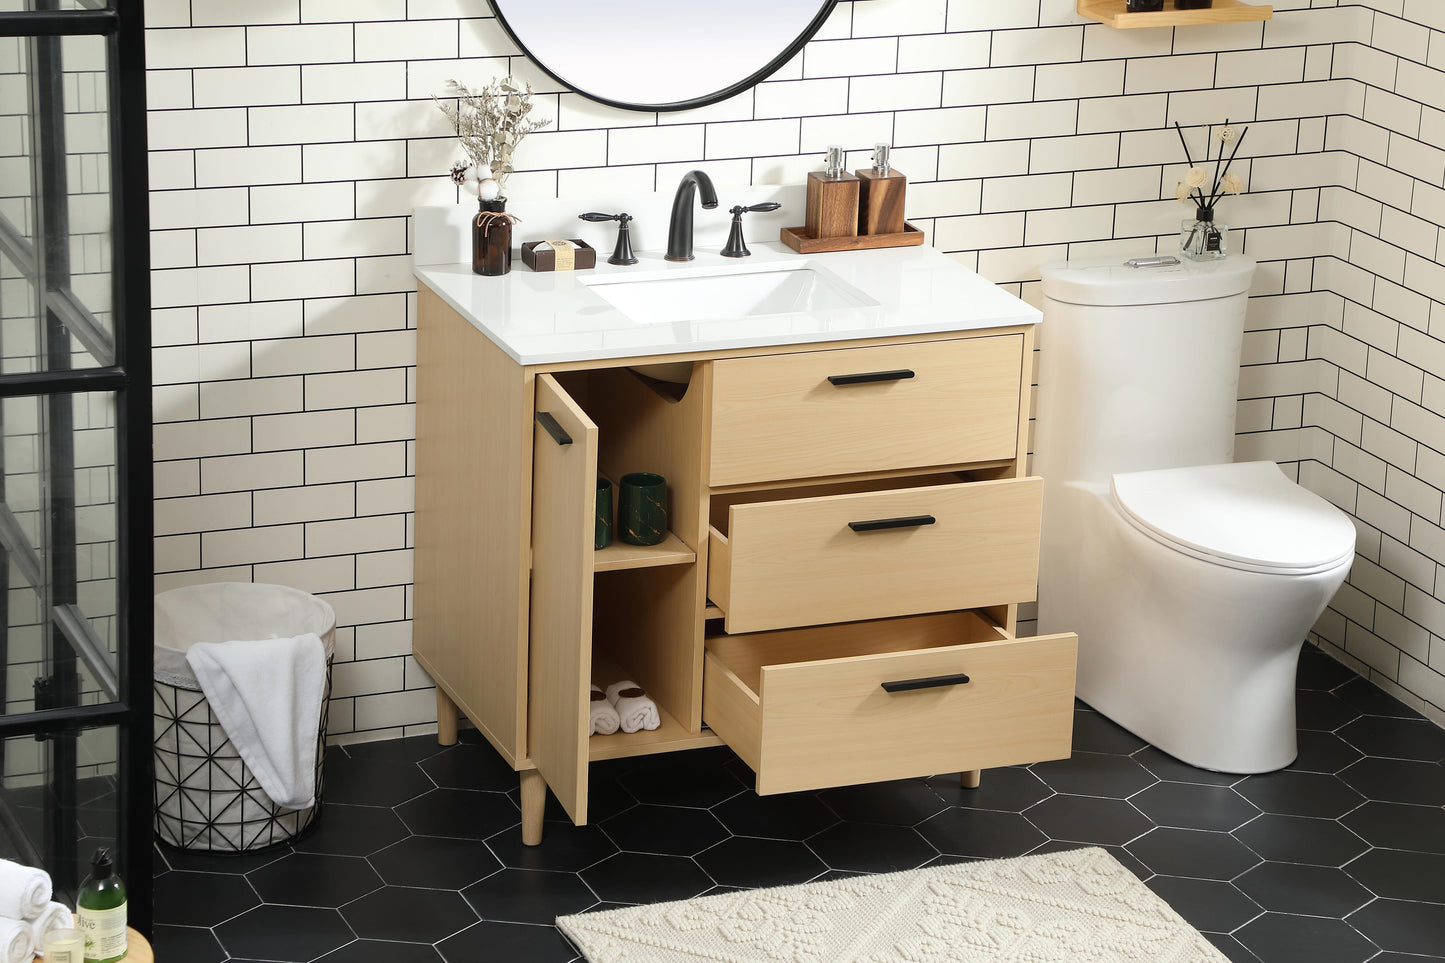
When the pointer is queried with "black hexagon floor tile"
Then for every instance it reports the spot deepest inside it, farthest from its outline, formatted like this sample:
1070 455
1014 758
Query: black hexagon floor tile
643 878
1323 752
1280 938
794 815
751 862
1370 699
1194 853
700 779
352 831
408 749
1290 793
1166 767
1209 905
289 934
194 944
1088 819
1403 927
409 915
1324 711
1095 732
1303 890
1233 950
463 813
904 802
872 847
184 898
1397 780
565 847
507 941
376 951
1011 790
1095 774
1400 826
980 833
1318 671
233 863
1395 738
1301 839
1187 806
464 766
315 879
671 830
373 782
529 896
435 861
1395 874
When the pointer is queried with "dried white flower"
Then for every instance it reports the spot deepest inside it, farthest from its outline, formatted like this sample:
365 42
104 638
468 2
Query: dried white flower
460 170
1197 177
1181 191
488 189
1227 134
491 122
1232 183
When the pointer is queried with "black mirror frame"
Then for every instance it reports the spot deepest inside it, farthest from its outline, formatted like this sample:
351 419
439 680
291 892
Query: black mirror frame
826 10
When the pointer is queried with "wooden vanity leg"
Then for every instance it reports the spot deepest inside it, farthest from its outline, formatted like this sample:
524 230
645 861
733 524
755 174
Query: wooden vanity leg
534 804
446 719
970 778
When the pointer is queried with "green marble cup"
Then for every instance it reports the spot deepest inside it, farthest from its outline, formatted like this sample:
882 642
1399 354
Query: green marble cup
602 534
642 508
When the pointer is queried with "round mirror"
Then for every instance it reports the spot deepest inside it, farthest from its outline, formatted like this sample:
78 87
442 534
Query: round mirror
660 54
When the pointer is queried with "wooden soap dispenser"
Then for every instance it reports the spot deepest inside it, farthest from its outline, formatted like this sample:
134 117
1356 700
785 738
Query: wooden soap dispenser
880 196
832 202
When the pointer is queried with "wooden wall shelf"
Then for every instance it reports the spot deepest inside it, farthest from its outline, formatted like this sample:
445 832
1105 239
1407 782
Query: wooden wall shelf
1113 13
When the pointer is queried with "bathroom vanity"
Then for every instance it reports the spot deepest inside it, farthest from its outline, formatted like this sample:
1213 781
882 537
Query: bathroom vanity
851 525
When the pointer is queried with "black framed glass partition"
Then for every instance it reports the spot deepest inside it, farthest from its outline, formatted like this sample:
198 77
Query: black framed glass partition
75 452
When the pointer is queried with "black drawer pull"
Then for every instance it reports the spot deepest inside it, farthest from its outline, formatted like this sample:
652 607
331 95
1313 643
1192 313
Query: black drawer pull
879 524
869 377
932 682
558 433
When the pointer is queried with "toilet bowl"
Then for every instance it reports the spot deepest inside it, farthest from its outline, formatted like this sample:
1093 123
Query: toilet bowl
1191 580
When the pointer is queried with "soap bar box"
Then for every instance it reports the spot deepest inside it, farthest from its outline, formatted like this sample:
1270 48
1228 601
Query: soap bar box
539 256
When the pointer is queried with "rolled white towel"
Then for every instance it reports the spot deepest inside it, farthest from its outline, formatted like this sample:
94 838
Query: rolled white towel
16 943
55 916
24 891
633 706
602 718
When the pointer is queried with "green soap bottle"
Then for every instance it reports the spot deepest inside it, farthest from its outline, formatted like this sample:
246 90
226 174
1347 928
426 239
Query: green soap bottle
100 911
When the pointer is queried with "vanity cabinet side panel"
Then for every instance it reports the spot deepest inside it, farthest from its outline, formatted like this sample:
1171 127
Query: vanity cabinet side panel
473 511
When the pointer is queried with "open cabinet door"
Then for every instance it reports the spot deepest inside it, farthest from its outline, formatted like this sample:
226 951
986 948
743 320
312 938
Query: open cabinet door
564 489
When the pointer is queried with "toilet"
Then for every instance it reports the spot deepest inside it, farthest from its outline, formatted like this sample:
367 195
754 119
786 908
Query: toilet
1191 580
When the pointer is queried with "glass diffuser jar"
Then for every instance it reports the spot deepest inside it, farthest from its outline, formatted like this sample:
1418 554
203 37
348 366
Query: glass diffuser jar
1203 238
492 239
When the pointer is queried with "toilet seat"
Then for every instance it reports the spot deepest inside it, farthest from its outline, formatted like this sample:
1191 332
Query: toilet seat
1246 516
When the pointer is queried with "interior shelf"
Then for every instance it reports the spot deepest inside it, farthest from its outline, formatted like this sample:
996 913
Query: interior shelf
620 555
1114 14
667 737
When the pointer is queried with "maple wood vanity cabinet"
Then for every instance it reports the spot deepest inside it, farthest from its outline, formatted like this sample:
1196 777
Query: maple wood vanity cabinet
851 531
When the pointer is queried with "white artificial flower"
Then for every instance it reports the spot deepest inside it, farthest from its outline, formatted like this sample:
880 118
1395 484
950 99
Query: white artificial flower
488 189
1227 134
1233 183
1181 191
1196 177
484 172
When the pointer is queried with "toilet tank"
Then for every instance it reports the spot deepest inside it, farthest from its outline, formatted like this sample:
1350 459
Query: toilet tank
1138 366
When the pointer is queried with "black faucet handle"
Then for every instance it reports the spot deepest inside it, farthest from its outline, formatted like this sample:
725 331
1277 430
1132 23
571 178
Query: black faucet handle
759 208
735 246
622 252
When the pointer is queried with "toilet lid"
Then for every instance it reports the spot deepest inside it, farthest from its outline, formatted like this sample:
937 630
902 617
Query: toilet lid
1248 516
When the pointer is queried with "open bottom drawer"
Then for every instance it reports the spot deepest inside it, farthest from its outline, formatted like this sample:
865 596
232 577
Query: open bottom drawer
808 708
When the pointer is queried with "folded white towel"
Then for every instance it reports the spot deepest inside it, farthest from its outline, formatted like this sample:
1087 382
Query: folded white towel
24 890
16 943
633 706
602 718
267 696
55 916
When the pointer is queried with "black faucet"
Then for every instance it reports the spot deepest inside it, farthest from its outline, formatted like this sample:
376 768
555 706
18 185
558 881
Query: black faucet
679 230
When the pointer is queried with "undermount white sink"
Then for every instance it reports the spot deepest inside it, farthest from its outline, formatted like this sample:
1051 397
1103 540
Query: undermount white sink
720 294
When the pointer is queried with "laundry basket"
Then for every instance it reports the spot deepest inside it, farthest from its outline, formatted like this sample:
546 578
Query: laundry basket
206 797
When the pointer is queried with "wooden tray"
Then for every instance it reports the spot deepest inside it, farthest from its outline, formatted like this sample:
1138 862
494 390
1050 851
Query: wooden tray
1113 13
799 241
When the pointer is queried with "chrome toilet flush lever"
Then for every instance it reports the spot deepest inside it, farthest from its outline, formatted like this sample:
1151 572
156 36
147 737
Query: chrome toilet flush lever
622 252
735 246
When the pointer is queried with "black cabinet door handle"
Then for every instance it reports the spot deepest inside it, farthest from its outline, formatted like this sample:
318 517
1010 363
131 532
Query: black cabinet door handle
870 377
558 433
880 524
932 682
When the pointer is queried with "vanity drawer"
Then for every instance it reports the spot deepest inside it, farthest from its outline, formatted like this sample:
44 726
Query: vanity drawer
886 407
875 554
808 708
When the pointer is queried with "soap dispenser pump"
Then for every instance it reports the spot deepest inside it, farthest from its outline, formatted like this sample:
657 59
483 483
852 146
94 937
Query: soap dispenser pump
832 200
880 196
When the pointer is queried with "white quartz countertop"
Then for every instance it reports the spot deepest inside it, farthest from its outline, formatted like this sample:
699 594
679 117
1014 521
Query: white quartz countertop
556 317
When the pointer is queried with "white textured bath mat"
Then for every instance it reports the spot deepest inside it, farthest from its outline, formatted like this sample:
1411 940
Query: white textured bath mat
1079 906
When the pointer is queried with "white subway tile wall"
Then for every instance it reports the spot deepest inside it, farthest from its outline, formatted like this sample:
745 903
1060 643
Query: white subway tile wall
291 141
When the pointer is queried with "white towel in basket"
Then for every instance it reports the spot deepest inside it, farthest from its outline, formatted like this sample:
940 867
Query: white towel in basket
267 696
